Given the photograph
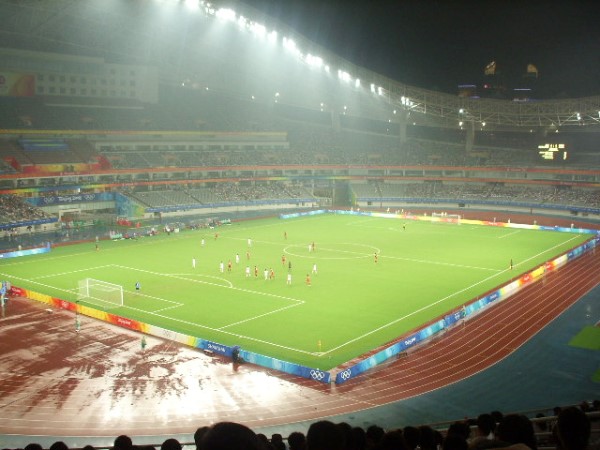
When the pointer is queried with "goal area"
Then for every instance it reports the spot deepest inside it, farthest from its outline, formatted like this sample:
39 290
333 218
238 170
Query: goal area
445 217
100 291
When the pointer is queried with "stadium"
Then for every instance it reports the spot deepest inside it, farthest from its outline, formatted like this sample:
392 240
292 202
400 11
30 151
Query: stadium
206 218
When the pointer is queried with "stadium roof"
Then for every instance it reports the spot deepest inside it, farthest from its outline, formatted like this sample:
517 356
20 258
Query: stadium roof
190 39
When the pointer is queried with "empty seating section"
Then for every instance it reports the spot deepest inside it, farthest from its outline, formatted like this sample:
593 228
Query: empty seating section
40 151
553 195
220 193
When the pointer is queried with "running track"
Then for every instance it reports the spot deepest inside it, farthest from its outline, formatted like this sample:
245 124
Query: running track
56 382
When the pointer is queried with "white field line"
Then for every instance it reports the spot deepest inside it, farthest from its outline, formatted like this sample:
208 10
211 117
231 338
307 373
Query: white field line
288 298
399 258
70 272
440 263
259 316
140 294
508 234
178 305
36 282
393 322
231 286
194 324
315 255
222 329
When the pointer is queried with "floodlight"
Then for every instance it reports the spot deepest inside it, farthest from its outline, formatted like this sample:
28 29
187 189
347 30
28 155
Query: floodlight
314 61
258 29
225 14
344 76
357 83
289 44
192 5
372 88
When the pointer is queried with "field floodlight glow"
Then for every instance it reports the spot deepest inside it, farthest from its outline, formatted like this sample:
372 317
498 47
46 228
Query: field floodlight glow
192 5
380 90
225 14
242 22
272 36
461 111
357 83
314 61
258 29
290 45
344 76
372 88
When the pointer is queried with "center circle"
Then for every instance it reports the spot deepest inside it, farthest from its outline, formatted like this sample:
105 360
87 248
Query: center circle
332 251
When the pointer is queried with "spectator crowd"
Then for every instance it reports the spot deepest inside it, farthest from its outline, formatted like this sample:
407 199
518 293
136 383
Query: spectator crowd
570 428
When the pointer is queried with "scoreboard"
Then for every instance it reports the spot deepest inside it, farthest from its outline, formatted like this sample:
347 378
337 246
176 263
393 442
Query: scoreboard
553 152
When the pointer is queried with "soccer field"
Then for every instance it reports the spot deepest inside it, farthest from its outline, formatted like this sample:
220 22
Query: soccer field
355 302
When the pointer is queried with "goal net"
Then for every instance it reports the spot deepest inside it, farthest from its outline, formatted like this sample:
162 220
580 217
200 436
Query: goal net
445 217
100 291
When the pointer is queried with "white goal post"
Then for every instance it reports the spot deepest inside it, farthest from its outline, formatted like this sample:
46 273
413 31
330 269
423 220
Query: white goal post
100 291
445 217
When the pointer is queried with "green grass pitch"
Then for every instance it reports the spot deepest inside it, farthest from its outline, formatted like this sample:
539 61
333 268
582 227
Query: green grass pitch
353 305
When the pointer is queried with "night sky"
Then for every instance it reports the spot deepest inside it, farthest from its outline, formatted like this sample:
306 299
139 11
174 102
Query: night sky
441 44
